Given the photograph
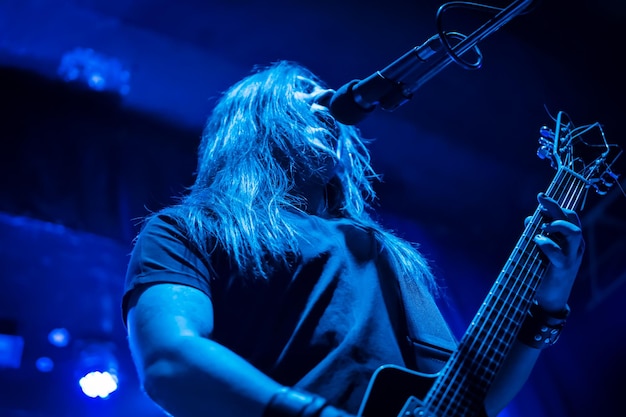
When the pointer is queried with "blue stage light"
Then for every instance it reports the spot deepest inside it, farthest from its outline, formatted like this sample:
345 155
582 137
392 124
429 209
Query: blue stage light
11 347
95 70
59 337
11 344
44 364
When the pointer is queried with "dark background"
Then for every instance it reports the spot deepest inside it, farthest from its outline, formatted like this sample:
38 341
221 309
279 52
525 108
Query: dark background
79 167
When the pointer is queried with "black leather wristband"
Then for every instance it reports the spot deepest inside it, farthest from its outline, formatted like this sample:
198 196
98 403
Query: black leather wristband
541 328
291 402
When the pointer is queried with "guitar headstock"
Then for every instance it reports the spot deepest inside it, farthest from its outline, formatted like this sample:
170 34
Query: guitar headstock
583 151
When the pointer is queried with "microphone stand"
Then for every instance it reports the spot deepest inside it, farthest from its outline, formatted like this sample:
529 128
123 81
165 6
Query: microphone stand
394 85
492 25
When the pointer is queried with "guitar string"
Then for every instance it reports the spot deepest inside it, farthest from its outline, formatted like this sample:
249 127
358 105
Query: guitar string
528 266
477 328
455 375
532 271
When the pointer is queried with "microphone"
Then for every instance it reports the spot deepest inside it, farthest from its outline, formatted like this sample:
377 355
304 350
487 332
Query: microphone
390 87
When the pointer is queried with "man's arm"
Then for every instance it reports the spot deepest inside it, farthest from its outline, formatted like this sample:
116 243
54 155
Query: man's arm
180 367
189 375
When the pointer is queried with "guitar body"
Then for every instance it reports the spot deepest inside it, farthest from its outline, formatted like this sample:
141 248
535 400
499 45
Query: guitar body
390 388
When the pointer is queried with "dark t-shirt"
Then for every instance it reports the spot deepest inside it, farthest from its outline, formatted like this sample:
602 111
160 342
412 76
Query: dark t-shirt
324 323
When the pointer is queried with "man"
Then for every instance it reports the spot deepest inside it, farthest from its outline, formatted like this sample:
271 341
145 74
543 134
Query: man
269 290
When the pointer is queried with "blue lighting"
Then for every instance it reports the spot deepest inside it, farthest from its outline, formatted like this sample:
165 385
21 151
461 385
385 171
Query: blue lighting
59 337
11 351
44 364
97 71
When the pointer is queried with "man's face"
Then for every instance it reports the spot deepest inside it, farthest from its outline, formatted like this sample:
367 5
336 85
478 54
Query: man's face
319 99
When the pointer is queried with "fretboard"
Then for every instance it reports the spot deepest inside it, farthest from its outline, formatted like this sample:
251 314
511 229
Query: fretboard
461 388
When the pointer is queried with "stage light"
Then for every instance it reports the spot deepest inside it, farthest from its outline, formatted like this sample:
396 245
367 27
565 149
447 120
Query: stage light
11 344
98 384
97 369
11 347
95 70
59 337
44 364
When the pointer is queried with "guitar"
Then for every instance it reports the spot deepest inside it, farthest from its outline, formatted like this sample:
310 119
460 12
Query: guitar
459 389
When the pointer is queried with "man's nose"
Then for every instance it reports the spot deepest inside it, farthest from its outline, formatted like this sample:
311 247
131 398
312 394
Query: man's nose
323 97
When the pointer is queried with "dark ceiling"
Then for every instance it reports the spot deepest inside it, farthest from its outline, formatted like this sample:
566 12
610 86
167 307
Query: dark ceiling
459 165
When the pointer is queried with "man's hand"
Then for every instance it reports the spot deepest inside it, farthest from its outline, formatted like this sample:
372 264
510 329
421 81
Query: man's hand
563 244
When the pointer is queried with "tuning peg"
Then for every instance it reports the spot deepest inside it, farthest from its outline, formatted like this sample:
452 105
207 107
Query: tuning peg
609 178
605 182
546 132
545 150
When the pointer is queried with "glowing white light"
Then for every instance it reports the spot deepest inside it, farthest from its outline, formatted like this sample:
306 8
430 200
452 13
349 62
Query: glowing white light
98 384
97 369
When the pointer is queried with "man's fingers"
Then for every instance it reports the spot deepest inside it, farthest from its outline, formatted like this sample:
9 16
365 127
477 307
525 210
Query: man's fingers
564 227
550 208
